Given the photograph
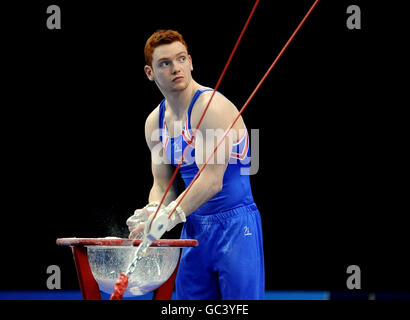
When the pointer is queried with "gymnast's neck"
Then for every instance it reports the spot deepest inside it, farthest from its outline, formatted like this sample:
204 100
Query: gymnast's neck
178 101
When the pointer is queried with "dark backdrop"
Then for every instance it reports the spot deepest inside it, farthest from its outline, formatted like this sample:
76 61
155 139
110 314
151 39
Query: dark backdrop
331 168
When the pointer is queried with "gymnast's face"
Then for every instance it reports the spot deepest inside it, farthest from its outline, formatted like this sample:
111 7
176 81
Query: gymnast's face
171 67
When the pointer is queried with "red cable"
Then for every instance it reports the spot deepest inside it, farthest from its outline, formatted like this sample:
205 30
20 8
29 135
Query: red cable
122 283
245 105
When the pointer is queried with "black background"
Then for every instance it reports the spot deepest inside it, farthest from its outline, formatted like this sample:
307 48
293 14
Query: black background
332 180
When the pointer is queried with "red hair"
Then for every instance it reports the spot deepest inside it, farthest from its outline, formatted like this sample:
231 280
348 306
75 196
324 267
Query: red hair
158 38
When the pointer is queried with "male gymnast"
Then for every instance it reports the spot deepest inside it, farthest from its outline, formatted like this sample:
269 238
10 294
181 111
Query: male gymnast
219 210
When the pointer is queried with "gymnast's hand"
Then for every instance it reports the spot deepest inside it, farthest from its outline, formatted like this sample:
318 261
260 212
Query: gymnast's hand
155 228
136 223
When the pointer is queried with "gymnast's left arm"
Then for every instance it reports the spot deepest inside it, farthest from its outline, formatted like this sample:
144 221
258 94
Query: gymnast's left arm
218 118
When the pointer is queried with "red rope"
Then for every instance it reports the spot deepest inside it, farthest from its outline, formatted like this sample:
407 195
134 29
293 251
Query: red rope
245 105
122 283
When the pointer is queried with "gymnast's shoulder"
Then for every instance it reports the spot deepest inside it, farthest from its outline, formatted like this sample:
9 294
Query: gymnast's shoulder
151 127
220 114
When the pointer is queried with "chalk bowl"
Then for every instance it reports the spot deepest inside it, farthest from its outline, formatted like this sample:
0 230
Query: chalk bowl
109 257
108 262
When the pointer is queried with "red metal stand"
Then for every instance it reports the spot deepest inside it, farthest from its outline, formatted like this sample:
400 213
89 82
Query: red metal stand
88 284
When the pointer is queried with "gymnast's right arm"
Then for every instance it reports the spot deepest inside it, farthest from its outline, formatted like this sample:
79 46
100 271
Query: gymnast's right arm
162 169
162 172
